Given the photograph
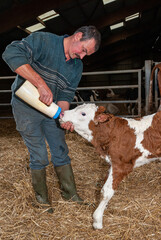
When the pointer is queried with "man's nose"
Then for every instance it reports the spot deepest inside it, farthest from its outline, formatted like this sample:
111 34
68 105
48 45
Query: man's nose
82 55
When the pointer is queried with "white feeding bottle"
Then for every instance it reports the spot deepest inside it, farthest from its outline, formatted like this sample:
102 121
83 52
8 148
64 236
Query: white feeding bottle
29 93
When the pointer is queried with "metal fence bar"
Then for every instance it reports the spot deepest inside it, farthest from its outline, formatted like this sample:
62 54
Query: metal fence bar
107 87
5 104
148 64
139 93
111 72
5 91
90 88
8 77
156 88
111 101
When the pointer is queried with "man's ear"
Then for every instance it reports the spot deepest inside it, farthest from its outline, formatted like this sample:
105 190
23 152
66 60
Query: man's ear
102 118
78 36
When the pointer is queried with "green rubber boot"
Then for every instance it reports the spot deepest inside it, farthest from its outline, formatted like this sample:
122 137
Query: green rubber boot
67 183
40 188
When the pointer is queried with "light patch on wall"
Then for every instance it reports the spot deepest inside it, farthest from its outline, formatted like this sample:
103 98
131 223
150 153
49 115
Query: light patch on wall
35 27
118 25
131 17
41 25
48 15
108 1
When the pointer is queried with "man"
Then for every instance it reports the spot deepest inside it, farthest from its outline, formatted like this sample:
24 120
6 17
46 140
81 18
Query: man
53 64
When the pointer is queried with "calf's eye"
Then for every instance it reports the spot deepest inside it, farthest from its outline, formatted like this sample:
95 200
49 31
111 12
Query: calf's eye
83 114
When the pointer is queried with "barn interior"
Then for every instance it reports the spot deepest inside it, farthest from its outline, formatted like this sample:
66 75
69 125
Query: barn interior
130 47
130 32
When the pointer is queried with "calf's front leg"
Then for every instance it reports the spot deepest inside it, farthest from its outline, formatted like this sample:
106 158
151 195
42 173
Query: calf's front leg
116 174
107 193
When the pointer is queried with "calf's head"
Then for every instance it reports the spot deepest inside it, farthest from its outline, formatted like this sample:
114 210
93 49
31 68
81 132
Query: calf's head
81 116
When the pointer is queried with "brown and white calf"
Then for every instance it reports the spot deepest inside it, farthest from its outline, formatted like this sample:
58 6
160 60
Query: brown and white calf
122 142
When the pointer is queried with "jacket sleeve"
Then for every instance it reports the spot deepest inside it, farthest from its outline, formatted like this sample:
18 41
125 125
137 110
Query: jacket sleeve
16 55
19 53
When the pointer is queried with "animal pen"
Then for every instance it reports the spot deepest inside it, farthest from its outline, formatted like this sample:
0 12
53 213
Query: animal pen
132 214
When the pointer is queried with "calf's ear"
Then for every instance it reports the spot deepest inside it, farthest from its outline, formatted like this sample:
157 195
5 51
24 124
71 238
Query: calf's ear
102 118
101 109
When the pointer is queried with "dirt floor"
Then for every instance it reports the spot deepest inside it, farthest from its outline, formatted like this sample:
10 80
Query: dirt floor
134 213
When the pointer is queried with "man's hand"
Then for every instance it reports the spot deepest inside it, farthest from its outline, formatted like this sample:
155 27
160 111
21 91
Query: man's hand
27 72
65 106
46 95
68 126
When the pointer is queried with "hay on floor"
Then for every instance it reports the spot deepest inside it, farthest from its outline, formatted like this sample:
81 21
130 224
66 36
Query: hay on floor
132 214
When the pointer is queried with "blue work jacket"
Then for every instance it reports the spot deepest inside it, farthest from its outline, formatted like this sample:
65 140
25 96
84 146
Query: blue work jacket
45 53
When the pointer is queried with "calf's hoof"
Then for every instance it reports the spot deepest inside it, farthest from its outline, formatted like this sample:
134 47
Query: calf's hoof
97 225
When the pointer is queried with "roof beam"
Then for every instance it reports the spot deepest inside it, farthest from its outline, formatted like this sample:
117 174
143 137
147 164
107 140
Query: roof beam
19 14
141 29
120 14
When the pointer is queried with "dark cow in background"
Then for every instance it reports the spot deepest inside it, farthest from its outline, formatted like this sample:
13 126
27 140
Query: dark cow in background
84 96
131 94
106 95
87 95
97 95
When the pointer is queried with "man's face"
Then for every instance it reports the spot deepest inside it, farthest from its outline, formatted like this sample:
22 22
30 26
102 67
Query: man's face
79 49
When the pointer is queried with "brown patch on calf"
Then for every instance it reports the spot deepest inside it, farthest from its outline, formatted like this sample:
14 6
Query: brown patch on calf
152 137
100 118
114 138
101 109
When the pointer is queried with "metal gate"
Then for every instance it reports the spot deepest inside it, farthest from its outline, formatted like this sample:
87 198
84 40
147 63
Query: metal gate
138 86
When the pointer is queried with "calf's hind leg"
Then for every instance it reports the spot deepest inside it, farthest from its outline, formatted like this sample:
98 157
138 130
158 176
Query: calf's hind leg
107 193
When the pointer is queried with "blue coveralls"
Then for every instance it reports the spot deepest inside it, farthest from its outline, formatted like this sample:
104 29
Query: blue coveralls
45 53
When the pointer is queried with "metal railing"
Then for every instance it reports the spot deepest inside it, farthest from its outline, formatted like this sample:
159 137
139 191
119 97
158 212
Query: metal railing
6 91
138 86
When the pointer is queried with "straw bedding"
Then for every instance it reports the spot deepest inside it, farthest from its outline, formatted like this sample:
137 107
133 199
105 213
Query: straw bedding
132 214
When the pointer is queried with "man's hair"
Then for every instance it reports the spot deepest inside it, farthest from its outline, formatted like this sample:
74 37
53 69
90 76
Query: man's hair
88 33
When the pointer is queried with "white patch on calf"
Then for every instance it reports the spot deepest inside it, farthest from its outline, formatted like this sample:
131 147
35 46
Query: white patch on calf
140 126
107 193
143 160
80 118
108 159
